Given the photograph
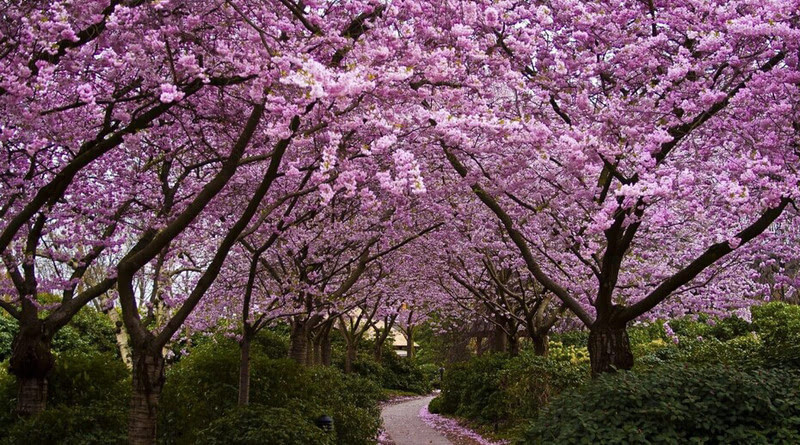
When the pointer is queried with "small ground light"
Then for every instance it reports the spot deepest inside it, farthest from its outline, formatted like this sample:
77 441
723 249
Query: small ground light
325 422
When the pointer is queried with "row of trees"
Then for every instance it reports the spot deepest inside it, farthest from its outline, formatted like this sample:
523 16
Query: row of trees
197 164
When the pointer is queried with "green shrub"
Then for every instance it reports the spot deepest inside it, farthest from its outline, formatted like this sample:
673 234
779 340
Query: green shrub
529 382
260 425
738 352
8 397
98 423
403 374
272 344
676 404
430 372
435 405
571 338
86 378
473 389
203 387
88 331
778 326
87 403
8 328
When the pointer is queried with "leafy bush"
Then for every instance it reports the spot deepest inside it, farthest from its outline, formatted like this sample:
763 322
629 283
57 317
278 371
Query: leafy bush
272 344
260 425
87 378
88 331
435 405
472 389
87 401
430 372
8 328
576 355
676 404
530 381
404 374
496 389
203 386
8 397
778 326
98 423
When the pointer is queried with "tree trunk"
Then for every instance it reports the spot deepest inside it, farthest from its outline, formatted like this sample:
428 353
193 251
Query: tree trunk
325 343
244 371
299 343
317 353
609 348
540 344
410 350
350 356
148 380
498 341
479 345
121 336
31 362
377 348
513 345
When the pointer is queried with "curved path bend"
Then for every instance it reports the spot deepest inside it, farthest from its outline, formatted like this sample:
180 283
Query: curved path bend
403 425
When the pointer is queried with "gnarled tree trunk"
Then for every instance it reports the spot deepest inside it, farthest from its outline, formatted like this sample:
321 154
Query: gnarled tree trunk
540 344
31 362
609 348
148 381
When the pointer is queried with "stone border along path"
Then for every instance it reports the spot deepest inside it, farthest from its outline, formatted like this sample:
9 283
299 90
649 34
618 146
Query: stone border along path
404 426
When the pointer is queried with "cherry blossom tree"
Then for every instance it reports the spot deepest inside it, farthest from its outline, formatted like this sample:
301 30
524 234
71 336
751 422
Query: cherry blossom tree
628 152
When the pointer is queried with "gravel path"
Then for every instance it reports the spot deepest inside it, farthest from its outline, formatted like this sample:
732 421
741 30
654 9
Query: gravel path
404 426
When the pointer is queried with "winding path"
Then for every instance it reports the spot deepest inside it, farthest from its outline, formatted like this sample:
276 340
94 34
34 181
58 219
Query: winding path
404 427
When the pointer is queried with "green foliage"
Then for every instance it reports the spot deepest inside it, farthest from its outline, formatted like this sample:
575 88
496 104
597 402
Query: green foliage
495 389
202 388
571 338
88 331
404 374
435 405
98 423
8 397
86 378
395 372
8 328
88 395
473 389
272 344
778 325
260 425
676 404
530 381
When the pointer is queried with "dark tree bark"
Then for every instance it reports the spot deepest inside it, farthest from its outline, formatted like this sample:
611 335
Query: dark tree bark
540 344
31 362
498 341
480 346
148 381
244 370
350 356
609 348
410 349
513 345
325 345
298 339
